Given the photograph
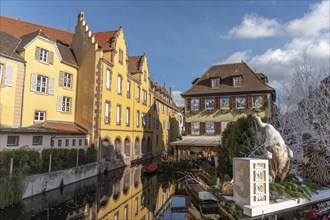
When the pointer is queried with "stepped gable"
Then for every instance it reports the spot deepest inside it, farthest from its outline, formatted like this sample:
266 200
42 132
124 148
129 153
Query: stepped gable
8 45
104 39
251 82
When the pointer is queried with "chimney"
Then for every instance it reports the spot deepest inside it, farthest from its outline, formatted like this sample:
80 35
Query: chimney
170 91
81 16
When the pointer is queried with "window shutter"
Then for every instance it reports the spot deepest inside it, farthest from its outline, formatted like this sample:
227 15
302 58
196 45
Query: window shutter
188 127
51 83
249 102
59 103
218 128
265 101
217 103
61 81
202 104
9 76
33 82
202 128
51 57
233 102
37 53
188 104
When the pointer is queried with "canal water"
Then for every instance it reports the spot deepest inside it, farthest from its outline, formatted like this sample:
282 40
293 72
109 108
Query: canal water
125 193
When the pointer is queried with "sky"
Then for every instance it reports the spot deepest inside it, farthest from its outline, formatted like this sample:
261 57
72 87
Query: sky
182 39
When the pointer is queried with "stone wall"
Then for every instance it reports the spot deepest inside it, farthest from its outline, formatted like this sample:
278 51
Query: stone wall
37 184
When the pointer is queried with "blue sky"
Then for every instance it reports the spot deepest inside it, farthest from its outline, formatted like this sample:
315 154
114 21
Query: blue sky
184 38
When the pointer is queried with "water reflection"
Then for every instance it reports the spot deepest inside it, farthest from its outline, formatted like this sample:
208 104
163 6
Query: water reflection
121 194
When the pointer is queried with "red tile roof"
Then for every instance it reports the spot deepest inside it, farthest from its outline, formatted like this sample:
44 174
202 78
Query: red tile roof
103 39
19 28
60 126
134 64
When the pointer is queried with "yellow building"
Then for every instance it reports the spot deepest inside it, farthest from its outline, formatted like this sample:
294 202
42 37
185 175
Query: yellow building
11 81
89 80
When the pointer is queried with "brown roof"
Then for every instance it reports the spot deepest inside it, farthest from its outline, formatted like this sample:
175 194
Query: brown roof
251 82
104 39
19 28
8 45
25 39
60 127
134 64
67 55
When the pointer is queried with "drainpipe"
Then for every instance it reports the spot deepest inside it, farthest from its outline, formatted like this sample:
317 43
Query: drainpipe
22 103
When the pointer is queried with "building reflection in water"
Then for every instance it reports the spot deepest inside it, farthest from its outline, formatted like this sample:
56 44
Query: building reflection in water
129 194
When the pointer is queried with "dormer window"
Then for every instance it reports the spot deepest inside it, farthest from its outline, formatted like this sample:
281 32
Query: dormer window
215 83
44 55
237 81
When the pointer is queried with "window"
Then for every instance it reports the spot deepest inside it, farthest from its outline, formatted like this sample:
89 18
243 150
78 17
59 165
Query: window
138 94
116 217
12 140
241 102
80 142
149 99
127 147
142 202
107 112
163 108
119 88
144 97
9 75
144 120
195 104
39 116
195 128
74 142
225 103
149 121
157 123
121 56
59 143
145 76
86 142
108 80
209 128
67 142
215 82
117 148
44 55
126 212
128 89
257 101
137 118
136 205
52 142
65 79
128 113
118 115
237 81
37 140
41 84
157 106
209 104
64 104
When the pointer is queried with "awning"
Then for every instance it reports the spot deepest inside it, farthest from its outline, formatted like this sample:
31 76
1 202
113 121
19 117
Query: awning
204 141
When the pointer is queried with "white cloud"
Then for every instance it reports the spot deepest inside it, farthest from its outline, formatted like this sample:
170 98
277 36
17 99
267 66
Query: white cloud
313 23
310 35
178 100
254 26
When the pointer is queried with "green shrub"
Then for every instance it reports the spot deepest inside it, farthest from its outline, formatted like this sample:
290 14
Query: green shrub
91 154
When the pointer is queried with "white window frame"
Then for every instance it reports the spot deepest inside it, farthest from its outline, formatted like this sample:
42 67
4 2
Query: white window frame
38 115
64 104
108 80
1 70
128 112
67 80
138 94
121 56
16 141
237 81
192 128
137 118
144 120
236 102
119 84
39 142
128 89
41 84
215 82
195 106
107 112
118 114
43 55
206 130
208 107
144 97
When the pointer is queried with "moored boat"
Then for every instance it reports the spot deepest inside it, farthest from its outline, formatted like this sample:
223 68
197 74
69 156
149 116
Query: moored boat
151 168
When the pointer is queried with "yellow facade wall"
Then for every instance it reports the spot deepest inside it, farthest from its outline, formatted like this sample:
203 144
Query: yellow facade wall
11 95
40 101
